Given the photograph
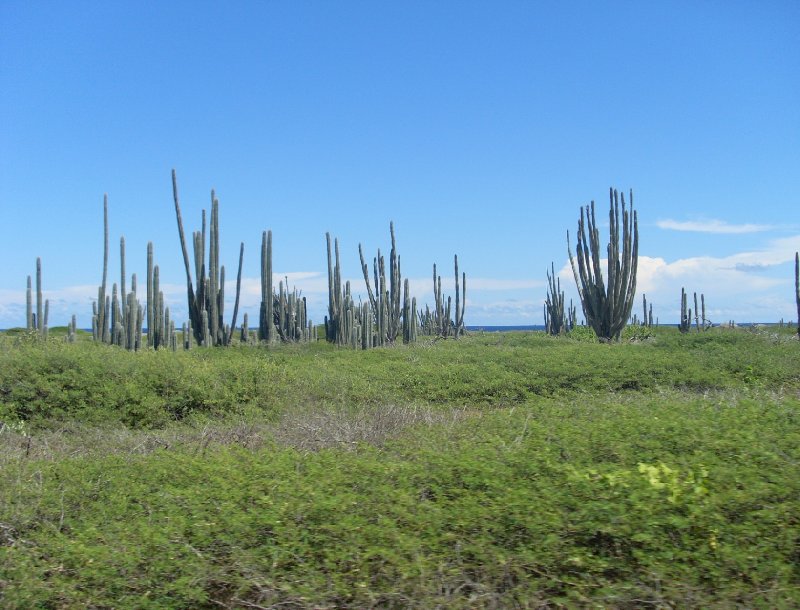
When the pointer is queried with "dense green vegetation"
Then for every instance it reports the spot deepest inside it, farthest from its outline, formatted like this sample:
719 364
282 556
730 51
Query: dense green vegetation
504 470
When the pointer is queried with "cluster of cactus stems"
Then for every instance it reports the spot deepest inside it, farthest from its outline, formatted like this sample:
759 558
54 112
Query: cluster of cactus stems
282 315
647 315
607 308
380 320
685 323
347 324
557 319
206 303
439 321
37 322
72 330
390 319
701 322
120 319
797 288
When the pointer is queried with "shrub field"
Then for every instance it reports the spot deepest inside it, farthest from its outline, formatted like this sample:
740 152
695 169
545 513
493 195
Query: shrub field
502 470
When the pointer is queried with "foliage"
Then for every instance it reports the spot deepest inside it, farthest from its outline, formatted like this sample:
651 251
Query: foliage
663 474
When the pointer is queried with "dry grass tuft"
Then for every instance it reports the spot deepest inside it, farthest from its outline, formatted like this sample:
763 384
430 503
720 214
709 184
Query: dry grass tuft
305 429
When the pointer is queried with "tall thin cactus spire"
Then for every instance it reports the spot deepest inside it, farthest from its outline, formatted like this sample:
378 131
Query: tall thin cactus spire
39 302
607 308
797 288
555 321
102 317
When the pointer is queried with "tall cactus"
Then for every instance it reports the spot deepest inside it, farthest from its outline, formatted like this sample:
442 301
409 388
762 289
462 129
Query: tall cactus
206 303
347 324
461 302
686 314
100 319
282 315
555 320
797 288
29 306
385 298
266 320
36 322
607 309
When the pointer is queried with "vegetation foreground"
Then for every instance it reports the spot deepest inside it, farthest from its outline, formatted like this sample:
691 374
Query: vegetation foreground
507 470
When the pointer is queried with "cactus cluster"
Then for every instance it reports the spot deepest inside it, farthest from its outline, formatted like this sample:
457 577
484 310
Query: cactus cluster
797 288
282 315
607 308
206 303
389 317
37 322
347 324
647 315
390 314
439 322
72 330
557 320
701 322
118 319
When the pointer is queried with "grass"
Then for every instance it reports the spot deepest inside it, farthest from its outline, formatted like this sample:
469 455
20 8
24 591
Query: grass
505 470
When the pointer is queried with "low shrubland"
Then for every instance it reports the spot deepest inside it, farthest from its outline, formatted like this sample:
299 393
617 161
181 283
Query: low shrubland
507 470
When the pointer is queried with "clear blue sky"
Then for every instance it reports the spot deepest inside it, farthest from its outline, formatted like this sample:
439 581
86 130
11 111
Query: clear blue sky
479 128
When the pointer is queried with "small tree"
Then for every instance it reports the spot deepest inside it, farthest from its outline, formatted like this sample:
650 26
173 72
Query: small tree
607 309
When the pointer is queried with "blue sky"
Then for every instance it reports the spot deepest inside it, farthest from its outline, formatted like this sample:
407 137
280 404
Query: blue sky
479 128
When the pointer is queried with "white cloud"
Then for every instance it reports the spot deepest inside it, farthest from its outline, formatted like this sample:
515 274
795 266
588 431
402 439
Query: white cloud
711 226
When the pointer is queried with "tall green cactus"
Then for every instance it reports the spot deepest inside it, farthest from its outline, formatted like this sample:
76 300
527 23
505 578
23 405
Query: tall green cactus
607 309
100 319
266 320
385 298
36 322
555 321
647 314
461 302
439 322
797 288
685 323
29 306
347 324
207 302
281 315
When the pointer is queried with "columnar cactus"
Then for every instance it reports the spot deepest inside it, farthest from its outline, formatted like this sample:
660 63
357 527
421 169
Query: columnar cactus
461 302
385 298
266 322
607 309
100 320
347 324
72 330
797 288
209 296
29 306
555 320
686 314
40 327
282 315
36 321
